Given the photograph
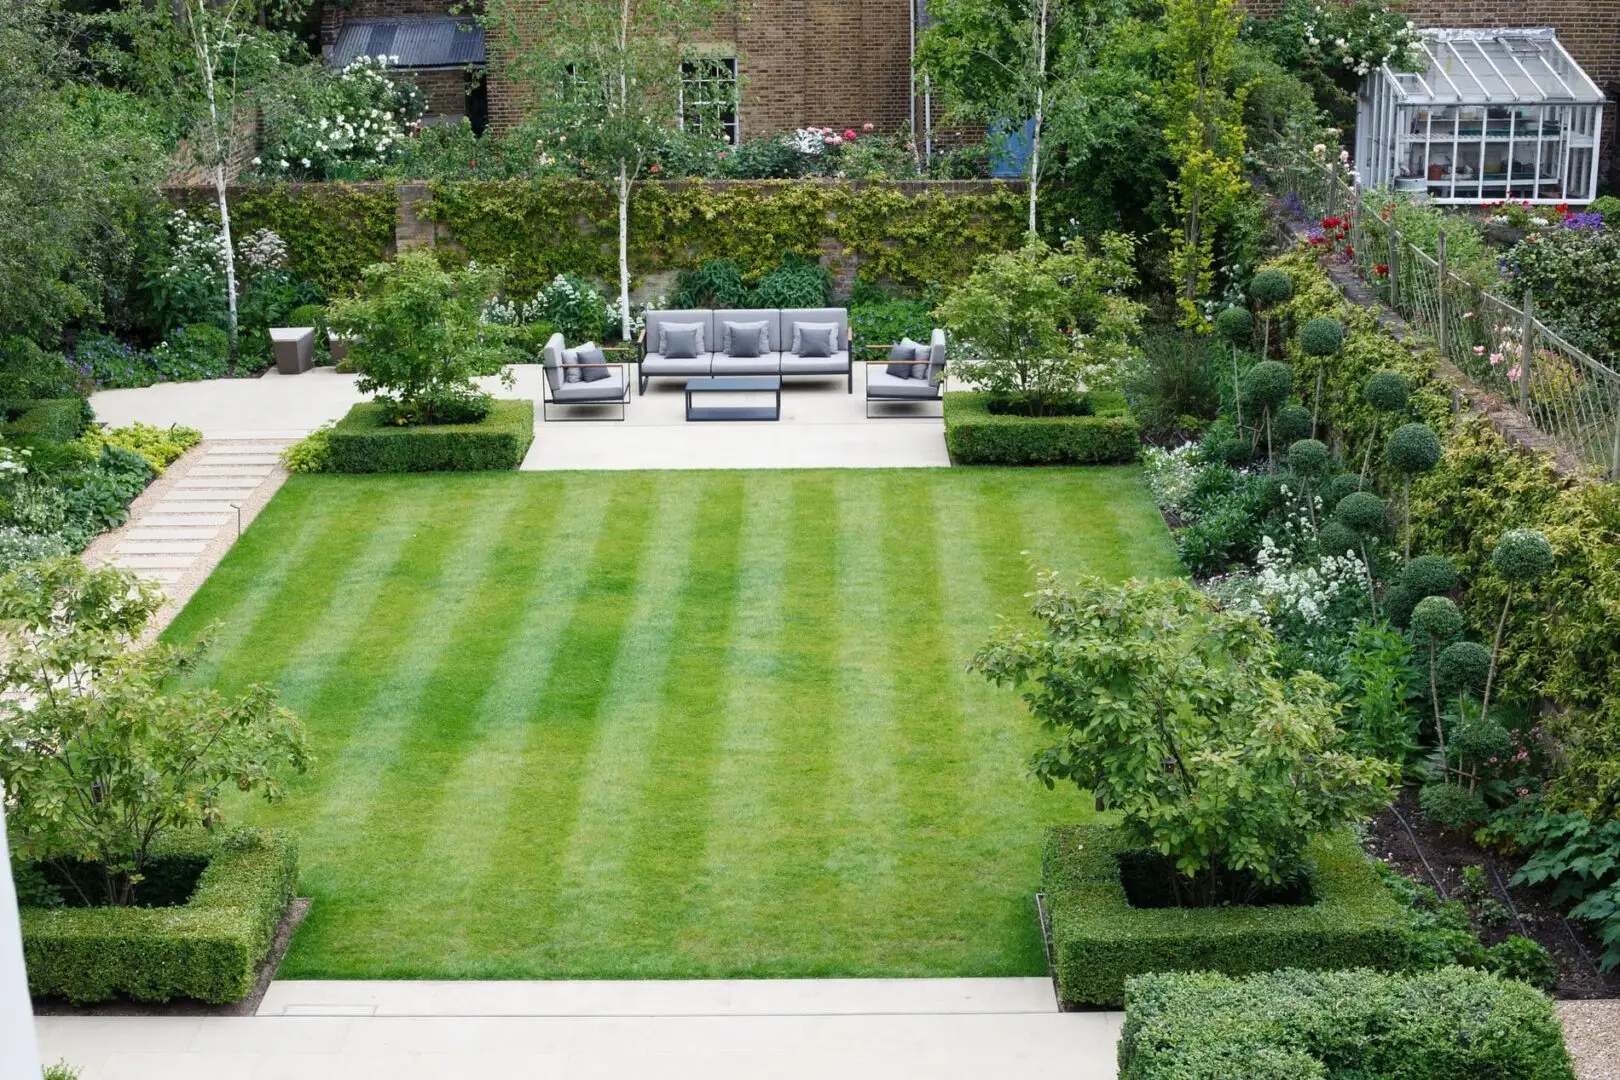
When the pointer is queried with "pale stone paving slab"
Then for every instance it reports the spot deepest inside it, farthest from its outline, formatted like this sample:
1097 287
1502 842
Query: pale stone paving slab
176 533
219 483
159 547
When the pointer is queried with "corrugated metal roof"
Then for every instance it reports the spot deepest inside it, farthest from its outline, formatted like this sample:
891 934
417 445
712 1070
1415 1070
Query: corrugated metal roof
429 42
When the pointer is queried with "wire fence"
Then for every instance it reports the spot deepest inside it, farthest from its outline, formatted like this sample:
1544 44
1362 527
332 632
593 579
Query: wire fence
1564 393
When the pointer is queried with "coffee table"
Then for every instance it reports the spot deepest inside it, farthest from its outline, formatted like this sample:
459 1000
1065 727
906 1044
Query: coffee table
703 397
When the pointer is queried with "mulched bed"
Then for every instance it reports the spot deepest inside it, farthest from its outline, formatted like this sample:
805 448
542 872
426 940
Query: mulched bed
1435 857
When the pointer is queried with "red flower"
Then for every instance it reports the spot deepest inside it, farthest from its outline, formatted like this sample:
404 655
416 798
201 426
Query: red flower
1381 269
849 134
473 164
653 168
1348 250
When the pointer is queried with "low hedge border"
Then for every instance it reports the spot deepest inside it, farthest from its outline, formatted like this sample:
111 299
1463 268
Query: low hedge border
1451 1024
56 420
1100 940
976 436
208 949
363 443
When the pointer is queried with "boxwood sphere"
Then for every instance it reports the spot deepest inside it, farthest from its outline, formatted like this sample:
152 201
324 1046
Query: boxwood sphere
1437 617
1386 391
1271 287
1522 555
1268 383
1363 513
1291 424
1397 604
1337 487
1235 325
1321 336
1309 456
1413 448
1429 575
1463 665
1334 538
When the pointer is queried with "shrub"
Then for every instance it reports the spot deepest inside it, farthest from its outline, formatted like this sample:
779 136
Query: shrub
1322 336
1463 665
1451 806
1309 456
159 447
1429 575
1437 617
1520 958
885 321
1268 384
1451 1024
1292 423
55 420
312 453
976 436
18 547
1235 326
1387 391
364 441
1363 513
1271 287
1413 448
1100 940
206 949
797 282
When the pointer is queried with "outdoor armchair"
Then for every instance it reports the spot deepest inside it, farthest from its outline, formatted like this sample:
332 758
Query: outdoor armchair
614 390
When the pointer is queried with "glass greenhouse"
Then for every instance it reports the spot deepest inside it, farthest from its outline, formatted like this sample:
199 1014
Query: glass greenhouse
1497 114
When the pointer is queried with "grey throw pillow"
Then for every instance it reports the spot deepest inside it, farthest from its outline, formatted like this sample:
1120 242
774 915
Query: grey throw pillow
681 341
746 339
590 354
900 357
815 339
919 370
570 361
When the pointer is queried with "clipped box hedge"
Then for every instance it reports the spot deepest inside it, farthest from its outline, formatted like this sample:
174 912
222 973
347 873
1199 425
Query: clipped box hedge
207 949
1100 940
362 442
56 420
1451 1024
976 436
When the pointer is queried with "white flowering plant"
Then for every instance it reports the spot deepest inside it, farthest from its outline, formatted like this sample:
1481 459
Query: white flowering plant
576 308
340 126
1349 38
1172 477
1309 601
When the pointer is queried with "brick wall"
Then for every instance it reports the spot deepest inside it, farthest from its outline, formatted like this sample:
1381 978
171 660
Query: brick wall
446 92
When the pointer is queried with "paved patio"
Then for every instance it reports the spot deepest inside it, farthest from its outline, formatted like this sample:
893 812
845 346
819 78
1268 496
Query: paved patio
719 1030
822 425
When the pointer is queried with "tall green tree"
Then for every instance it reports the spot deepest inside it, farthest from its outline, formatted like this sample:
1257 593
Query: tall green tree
604 76
1205 135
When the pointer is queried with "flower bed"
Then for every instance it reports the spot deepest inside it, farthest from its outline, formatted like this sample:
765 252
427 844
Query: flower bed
1100 940
976 436
362 442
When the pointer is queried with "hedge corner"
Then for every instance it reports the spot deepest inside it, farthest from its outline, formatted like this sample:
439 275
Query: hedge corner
208 949
362 443
976 436
56 420
1100 940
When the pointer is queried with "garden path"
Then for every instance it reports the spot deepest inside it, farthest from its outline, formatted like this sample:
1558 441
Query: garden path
716 1030
822 425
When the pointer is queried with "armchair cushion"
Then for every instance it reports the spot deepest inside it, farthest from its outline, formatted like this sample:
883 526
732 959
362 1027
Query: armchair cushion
880 384
745 339
681 341
936 358
900 358
590 353
815 339
570 365
609 388
551 358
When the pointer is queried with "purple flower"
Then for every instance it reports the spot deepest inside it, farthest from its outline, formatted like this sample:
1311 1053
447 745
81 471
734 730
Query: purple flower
1590 222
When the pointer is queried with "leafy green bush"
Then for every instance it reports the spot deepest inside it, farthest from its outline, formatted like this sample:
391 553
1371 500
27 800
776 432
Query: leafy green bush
1451 1024
56 420
364 441
160 447
1518 957
312 453
206 949
1100 940
1451 806
976 436
796 282
885 320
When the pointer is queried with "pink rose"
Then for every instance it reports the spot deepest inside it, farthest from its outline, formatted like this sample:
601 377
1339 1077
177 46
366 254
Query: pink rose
868 128
849 134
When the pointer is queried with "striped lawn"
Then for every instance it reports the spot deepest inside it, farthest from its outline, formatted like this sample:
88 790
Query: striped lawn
683 724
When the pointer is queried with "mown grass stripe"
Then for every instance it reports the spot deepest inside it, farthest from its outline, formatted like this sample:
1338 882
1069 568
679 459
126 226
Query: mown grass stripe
740 849
462 850
597 891
562 730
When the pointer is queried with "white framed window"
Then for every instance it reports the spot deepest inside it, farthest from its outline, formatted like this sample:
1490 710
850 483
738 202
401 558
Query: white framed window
708 103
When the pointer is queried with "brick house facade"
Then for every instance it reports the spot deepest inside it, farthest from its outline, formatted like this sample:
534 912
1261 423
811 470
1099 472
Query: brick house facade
847 62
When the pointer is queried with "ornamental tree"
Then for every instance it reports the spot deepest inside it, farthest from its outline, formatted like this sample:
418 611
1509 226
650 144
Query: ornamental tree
1413 448
1270 288
1319 339
1385 392
1522 557
1169 709
606 76
1235 326
1435 621
103 749
1267 385
1039 325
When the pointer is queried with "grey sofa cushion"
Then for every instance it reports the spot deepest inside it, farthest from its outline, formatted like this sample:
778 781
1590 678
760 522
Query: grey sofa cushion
900 358
589 353
815 339
745 339
836 364
766 364
654 364
681 341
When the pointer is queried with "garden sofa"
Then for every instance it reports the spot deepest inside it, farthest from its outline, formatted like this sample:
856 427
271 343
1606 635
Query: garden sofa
614 389
921 383
714 354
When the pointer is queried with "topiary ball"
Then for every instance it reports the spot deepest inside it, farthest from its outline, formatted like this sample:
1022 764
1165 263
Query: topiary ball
1335 539
1271 287
1321 336
1363 513
1463 665
1386 391
1482 740
1235 325
1413 449
1291 424
1268 383
1451 806
1309 457
1397 605
1522 555
1428 575
1337 487
1437 617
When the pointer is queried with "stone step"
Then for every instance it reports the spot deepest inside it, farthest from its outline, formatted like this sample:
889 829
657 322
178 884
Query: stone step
154 562
200 494
231 470
143 531
185 517
197 507
162 577
222 483
260 458
160 547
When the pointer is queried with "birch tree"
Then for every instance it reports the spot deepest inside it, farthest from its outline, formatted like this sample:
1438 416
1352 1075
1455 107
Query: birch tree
603 79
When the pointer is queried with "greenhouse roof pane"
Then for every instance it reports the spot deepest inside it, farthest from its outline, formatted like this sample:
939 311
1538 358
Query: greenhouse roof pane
1494 67
433 42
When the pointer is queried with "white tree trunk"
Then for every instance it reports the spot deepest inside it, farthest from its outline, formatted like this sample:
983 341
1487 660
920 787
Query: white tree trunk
1040 109
206 58
624 250
19 1054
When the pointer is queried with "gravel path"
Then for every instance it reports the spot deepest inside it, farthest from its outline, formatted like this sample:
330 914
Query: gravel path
1592 1032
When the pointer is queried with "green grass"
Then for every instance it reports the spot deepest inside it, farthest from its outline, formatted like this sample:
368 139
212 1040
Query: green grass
685 724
